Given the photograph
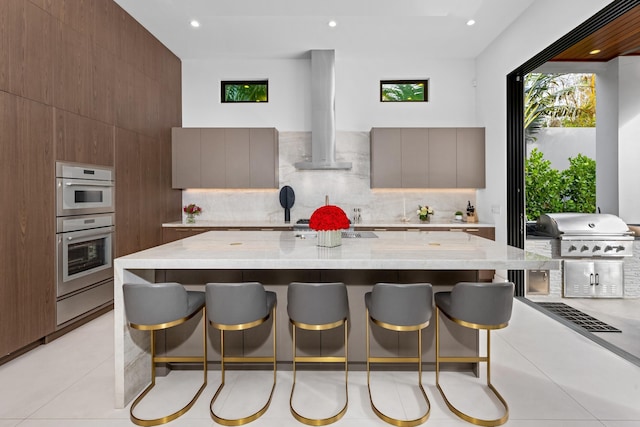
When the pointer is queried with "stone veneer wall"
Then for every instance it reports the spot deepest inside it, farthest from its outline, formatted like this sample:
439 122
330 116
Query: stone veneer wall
545 247
348 189
632 273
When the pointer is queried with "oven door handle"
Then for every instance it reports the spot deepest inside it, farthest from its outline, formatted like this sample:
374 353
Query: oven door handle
105 232
89 184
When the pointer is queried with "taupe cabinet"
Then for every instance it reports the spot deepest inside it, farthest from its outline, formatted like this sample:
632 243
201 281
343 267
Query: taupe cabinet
427 158
224 157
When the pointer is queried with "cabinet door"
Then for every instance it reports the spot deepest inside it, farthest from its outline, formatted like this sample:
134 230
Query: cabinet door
486 232
263 158
386 158
471 158
237 145
213 169
185 155
442 164
579 278
171 234
609 276
415 155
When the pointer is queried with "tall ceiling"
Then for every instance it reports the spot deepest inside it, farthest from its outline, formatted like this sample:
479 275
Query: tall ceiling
290 28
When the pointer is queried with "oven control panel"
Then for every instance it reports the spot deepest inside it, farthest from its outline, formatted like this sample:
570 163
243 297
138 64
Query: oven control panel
596 248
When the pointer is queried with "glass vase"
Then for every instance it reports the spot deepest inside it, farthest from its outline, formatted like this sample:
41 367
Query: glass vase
329 238
191 219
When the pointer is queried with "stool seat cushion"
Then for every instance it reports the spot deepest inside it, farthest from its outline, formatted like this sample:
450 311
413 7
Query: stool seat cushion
238 303
157 303
317 303
478 303
400 304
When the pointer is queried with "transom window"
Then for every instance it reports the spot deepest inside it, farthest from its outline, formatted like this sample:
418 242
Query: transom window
404 90
244 91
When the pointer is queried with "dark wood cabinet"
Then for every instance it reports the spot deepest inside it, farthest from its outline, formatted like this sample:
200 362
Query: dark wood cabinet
171 234
27 233
80 81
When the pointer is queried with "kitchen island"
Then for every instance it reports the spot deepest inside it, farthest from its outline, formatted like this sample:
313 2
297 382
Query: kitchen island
279 257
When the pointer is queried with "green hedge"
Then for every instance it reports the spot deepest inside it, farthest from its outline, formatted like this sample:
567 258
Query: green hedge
550 190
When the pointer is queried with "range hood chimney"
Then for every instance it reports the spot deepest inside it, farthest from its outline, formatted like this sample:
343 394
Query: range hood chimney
323 113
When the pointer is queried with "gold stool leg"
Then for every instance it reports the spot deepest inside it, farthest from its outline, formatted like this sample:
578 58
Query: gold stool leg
340 414
473 420
154 359
379 413
223 359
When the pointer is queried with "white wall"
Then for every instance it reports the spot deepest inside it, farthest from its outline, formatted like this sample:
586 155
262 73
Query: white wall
629 138
358 109
541 24
451 99
607 170
558 144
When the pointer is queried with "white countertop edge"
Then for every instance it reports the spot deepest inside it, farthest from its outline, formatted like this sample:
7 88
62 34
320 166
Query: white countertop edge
392 250
265 224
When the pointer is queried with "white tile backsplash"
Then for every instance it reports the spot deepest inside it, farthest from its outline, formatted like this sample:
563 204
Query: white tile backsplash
348 189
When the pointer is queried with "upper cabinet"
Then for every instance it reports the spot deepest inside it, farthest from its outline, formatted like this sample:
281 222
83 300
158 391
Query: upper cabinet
427 158
225 157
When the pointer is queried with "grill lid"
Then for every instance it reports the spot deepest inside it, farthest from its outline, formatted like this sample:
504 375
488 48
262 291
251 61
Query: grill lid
581 224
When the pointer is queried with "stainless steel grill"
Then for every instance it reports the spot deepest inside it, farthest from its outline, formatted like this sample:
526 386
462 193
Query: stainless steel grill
588 235
594 246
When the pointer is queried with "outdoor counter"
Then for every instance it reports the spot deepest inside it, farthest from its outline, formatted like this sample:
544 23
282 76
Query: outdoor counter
278 257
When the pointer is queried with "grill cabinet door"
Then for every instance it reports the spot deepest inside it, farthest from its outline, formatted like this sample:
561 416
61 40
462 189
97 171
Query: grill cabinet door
579 279
594 279
609 278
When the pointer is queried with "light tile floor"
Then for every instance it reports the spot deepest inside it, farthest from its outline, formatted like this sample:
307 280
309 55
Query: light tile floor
550 375
621 313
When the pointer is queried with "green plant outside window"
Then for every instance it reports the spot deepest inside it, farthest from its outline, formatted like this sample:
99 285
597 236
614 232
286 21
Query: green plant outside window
245 91
404 90
551 190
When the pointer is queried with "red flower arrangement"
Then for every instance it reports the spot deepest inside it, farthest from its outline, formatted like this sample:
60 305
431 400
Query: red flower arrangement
328 217
192 209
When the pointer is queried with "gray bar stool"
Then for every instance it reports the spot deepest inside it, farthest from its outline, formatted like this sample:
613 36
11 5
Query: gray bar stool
478 306
402 308
157 306
237 307
318 307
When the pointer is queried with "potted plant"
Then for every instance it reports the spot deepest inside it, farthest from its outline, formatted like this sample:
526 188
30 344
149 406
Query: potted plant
458 215
423 213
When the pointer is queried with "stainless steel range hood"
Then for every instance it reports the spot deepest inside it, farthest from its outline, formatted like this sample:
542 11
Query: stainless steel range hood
323 113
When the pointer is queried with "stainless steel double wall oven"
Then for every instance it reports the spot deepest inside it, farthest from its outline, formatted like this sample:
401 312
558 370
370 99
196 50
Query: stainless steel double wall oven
85 226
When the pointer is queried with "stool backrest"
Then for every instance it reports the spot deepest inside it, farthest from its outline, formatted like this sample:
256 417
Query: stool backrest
401 304
236 303
482 303
154 303
317 303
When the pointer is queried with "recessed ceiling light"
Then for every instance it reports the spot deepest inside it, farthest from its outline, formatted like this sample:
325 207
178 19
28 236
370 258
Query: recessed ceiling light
332 23
195 24
594 52
471 22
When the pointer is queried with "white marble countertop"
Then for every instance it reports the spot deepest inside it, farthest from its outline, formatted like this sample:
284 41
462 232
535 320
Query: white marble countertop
392 250
267 224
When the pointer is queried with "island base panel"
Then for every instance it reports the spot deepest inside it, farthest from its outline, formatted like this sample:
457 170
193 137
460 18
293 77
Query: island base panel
257 341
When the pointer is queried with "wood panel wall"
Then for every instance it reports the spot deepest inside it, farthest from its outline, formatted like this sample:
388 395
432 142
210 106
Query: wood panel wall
81 81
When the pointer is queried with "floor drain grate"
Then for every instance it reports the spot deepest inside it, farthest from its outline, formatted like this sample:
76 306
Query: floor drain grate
577 317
